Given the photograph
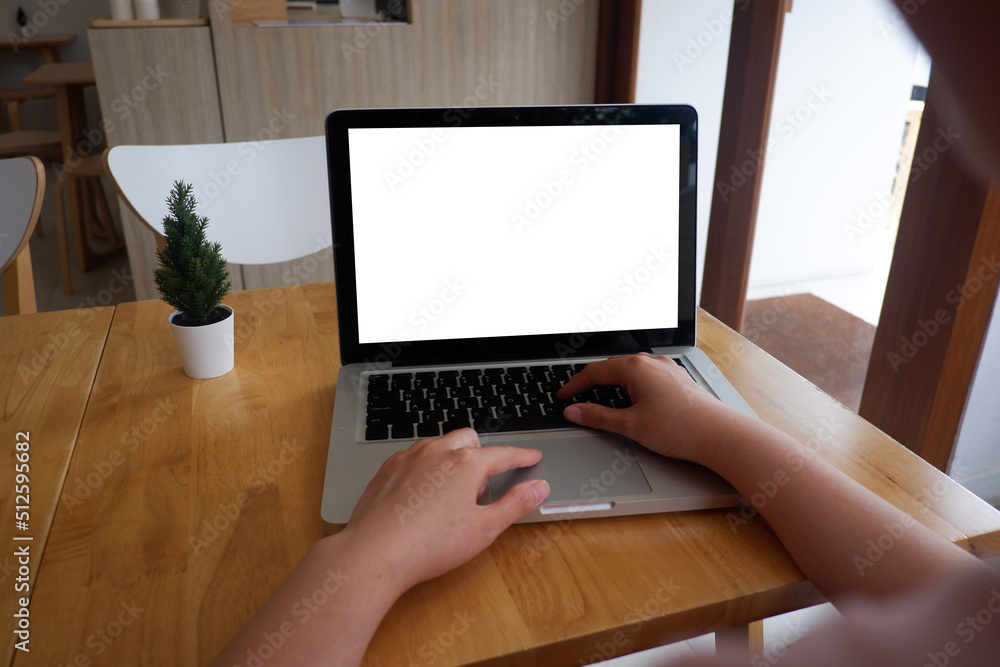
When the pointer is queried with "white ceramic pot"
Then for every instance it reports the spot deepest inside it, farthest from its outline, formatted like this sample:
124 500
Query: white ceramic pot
206 351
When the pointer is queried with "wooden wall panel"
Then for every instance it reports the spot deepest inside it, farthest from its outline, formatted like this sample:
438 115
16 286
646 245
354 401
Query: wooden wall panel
154 88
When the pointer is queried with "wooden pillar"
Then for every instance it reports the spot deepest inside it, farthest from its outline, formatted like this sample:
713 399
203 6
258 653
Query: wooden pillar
939 298
617 51
746 116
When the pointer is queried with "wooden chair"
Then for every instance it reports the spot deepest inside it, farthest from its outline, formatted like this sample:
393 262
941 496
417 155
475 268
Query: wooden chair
18 141
22 186
97 221
267 201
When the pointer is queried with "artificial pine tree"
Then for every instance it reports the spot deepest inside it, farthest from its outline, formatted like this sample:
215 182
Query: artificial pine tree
192 277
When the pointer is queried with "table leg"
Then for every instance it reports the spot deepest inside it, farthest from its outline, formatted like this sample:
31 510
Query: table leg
747 639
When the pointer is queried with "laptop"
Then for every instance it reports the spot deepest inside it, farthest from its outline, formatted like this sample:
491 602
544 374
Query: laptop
484 255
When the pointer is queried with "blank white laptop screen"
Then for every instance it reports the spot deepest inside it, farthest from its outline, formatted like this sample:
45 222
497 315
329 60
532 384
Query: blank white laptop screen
469 232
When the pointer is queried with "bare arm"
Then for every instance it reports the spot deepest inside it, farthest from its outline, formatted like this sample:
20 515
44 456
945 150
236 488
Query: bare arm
328 608
822 517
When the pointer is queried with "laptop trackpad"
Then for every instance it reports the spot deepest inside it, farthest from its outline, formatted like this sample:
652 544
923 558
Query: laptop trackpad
583 468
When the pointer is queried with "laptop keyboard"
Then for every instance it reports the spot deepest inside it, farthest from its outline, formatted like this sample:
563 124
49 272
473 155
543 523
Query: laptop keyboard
498 399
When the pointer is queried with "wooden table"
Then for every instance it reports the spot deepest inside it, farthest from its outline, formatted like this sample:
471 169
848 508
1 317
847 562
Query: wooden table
48 363
69 81
47 45
209 493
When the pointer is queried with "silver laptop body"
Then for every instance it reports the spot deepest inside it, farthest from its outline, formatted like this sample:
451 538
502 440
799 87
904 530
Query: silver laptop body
477 243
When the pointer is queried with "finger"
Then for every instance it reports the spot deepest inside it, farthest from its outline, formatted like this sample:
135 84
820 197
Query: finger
518 501
609 371
463 437
501 458
596 416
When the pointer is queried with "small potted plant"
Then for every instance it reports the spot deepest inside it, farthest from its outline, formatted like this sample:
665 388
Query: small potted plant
193 278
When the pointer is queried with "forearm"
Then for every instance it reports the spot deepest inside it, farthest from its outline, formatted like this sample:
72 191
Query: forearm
844 537
325 612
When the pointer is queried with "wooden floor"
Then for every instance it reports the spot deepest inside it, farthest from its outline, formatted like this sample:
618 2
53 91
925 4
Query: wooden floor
828 346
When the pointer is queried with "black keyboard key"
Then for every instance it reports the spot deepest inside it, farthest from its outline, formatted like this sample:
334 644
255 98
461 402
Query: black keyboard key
484 390
401 381
428 430
491 400
377 432
420 405
425 380
536 398
436 416
506 412
532 411
454 425
437 393
538 369
382 396
447 378
387 406
551 387
458 392
480 414
378 382
563 367
412 394
401 431
467 402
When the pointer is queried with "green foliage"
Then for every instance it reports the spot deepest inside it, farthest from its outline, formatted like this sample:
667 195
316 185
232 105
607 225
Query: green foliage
192 276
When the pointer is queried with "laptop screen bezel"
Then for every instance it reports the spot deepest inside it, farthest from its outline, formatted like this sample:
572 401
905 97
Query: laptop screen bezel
472 350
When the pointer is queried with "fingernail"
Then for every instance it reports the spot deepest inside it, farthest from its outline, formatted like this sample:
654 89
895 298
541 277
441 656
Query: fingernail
573 413
541 489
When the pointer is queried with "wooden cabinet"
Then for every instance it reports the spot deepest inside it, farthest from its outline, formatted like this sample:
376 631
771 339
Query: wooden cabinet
240 82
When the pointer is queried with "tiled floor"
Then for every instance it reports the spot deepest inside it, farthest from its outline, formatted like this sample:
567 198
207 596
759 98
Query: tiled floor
104 285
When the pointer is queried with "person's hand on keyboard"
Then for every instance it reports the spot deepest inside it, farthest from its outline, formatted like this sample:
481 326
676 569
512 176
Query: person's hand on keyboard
667 405
421 512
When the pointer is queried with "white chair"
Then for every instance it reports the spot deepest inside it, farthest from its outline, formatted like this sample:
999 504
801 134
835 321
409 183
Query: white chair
266 201
22 185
